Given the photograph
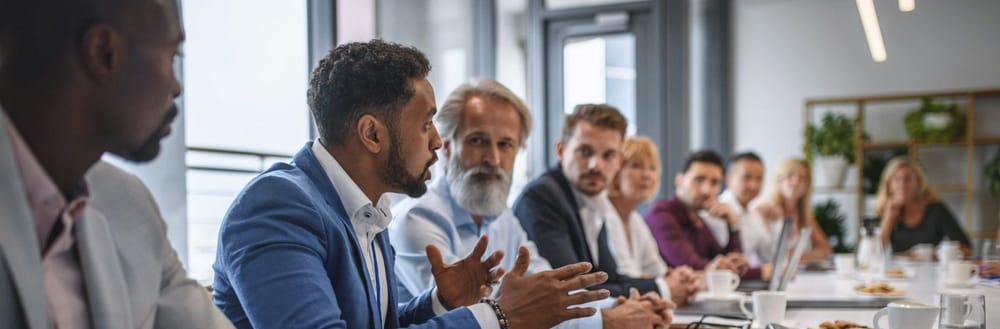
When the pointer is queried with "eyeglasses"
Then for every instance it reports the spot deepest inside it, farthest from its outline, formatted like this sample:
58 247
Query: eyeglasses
718 321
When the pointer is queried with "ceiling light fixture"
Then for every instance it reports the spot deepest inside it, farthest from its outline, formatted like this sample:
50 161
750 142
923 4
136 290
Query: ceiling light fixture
869 21
907 5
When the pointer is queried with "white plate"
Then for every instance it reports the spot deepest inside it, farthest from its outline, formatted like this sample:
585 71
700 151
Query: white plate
709 296
787 323
963 285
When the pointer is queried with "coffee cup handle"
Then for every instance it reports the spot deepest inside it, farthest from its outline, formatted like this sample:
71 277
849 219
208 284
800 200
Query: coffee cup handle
878 316
735 282
743 307
975 272
968 309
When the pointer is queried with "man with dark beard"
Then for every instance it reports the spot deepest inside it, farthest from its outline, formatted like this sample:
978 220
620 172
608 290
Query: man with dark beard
484 125
82 243
303 245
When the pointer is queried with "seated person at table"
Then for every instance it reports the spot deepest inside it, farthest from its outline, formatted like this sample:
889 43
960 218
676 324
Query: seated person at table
744 180
790 196
303 245
636 182
911 212
692 227
565 209
483 125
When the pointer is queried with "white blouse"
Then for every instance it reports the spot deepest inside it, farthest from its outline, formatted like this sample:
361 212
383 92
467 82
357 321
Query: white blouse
640 258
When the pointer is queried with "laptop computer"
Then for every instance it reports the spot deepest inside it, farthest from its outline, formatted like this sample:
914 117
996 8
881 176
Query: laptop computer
778 257
779 280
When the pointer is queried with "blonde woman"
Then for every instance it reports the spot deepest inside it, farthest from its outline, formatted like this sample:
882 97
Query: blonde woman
632 243
790 196
911 211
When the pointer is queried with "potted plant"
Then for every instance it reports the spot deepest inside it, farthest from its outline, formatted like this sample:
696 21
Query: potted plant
991 175
935 122
831 221
833 144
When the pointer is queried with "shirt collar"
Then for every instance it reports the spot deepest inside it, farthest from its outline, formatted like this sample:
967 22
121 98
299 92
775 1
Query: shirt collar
596 203
356 203
44 198
728 197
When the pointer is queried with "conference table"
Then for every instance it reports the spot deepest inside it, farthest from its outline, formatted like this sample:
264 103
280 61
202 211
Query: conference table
924 283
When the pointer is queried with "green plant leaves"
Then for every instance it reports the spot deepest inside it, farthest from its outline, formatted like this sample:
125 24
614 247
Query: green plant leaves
916 124
834 136
832 221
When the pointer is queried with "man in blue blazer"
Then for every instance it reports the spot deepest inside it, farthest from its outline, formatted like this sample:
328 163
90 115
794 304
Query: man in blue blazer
305 246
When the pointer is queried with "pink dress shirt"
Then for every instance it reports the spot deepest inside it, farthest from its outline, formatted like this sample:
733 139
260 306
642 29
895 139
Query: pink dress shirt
54 218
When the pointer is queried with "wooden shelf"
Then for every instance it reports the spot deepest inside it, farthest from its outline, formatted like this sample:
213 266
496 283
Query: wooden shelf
968 99
881 145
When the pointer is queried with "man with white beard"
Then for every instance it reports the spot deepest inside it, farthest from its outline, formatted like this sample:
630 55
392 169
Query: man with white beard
483 125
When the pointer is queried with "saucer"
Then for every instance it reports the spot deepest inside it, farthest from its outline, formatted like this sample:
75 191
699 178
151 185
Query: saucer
786 323
732 295
955 284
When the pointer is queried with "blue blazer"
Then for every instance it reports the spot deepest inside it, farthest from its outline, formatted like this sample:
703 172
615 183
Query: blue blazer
288 258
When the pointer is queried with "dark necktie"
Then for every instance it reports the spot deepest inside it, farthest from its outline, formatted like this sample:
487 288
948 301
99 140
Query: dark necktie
606 260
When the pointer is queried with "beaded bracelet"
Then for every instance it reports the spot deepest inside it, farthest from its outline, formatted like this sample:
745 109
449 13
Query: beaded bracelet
501 316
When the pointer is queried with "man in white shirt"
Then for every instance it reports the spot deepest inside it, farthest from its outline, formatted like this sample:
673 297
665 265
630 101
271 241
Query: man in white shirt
744 180
483 126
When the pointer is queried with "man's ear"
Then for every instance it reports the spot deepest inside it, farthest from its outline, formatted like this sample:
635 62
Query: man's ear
373 134
559 150
446 148
101 51
678 179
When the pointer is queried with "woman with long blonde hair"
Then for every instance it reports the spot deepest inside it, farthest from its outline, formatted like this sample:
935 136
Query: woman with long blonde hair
911 212
790 196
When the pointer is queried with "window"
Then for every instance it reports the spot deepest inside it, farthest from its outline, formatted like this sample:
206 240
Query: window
245 71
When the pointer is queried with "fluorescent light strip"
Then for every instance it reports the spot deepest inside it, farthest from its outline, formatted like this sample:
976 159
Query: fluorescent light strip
869 20
907 5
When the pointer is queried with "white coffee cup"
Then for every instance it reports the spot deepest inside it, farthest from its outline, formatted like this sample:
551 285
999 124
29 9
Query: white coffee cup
955 309
844 263
948 252
923 252
722 282
768 307
908 315
962 272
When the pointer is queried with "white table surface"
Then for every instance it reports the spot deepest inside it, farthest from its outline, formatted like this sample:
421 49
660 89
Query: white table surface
925 286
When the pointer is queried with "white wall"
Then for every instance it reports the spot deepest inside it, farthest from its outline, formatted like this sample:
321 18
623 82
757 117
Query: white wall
785 51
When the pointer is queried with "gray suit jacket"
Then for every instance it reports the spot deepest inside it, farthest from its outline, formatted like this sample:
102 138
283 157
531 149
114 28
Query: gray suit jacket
132 274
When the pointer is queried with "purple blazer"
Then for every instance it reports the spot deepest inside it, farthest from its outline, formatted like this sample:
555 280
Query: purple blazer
683 241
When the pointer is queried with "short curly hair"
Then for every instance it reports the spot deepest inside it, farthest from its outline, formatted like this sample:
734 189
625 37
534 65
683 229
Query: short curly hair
362 78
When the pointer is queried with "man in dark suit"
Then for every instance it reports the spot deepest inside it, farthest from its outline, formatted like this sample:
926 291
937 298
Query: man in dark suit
304 244
564 210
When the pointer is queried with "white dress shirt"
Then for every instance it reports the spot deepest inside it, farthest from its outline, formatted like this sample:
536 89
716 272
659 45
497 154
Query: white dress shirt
597 212
756 242
594 212
369 220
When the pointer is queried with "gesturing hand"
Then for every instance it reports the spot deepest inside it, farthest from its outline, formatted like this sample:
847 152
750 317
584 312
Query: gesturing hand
467 281
543 300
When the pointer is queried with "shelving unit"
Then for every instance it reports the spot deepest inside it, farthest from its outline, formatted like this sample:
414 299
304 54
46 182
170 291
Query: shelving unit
863 107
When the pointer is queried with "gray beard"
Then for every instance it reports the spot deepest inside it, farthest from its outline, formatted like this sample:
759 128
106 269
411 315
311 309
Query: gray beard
478 197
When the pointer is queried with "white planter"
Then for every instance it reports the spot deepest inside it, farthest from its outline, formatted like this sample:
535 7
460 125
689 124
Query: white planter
830 172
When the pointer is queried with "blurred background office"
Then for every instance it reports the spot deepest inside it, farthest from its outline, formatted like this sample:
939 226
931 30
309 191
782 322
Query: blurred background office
689 74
